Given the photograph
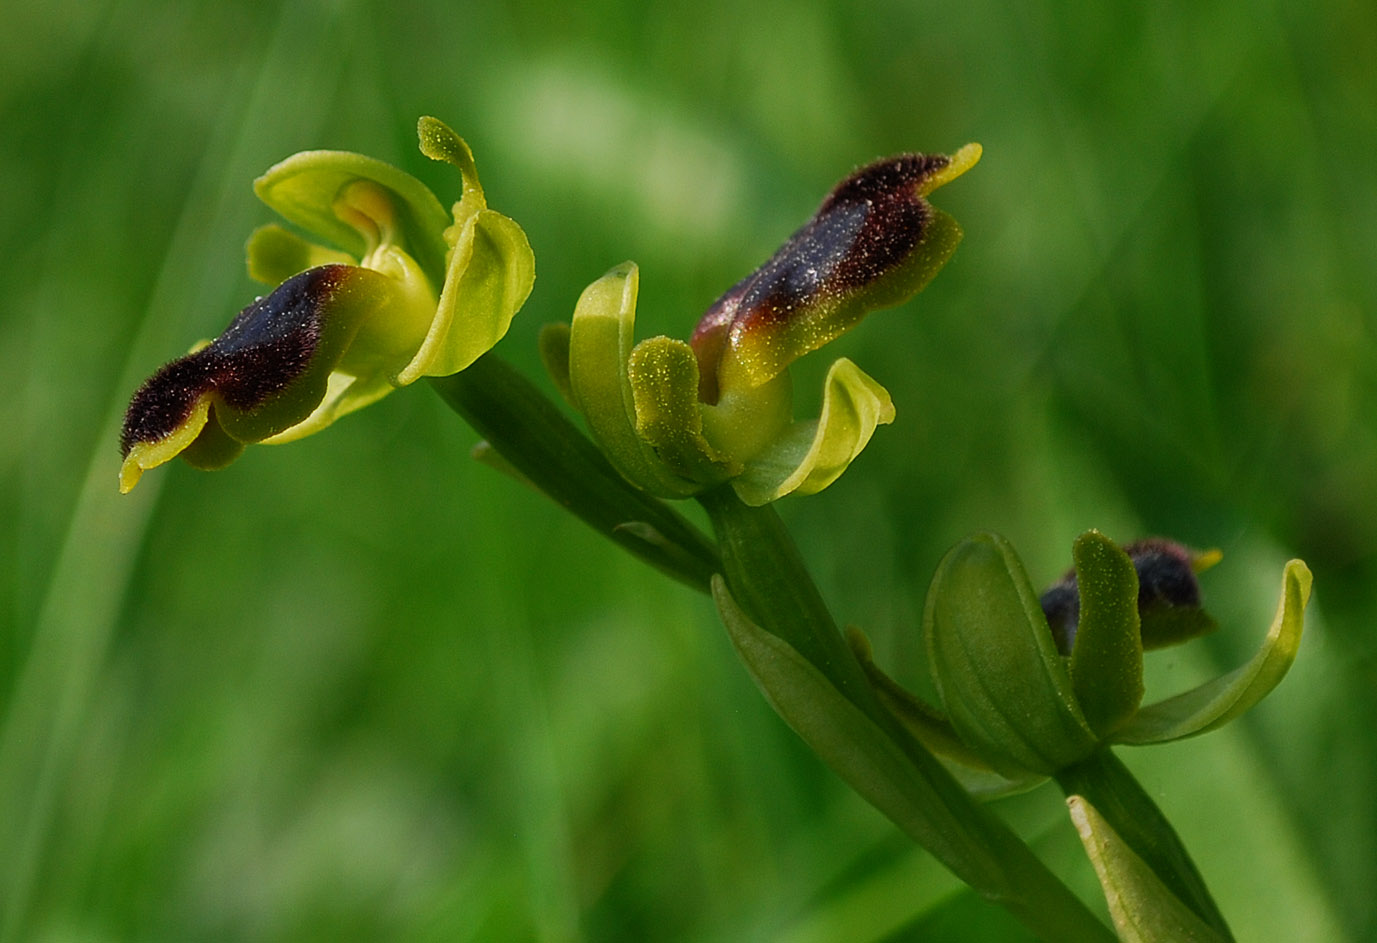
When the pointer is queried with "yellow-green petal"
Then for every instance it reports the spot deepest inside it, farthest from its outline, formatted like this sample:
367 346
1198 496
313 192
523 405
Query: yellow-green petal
439 142
809 456
664 388
490 273
1217 702
600 342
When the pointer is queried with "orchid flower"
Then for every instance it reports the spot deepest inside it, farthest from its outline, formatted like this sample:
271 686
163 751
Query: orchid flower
677 417
405 290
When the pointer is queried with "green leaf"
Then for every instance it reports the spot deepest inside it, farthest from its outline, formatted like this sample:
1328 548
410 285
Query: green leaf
1143 909
600 340
1217 702
907 784
1107 658
852 744
1001 681
809 456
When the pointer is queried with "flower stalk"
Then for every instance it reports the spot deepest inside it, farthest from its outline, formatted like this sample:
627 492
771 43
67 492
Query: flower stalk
824 697
539 443
1030 687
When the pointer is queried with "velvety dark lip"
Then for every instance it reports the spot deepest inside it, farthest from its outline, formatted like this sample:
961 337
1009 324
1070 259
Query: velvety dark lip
866 226
268 345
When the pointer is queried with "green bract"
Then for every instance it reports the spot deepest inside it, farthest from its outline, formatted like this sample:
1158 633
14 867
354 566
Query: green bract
1144 910
677 418
1013 705
410 291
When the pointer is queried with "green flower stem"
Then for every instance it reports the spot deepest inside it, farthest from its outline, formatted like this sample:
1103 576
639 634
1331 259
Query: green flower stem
767 578
540 443
1119 798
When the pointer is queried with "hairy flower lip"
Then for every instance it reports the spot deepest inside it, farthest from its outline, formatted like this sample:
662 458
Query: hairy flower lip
270 348
418 291
867 227
263 350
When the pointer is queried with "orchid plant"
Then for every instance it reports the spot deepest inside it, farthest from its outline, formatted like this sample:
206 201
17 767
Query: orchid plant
1030 687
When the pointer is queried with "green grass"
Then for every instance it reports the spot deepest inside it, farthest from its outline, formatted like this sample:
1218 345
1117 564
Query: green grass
363 688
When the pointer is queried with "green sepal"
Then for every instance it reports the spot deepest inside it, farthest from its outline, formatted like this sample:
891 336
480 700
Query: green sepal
600 341
663 373
1107 657
310 189
809 456
1219 701
275 254
490 275
1143 909
553 344
1002 684
931 728
489 272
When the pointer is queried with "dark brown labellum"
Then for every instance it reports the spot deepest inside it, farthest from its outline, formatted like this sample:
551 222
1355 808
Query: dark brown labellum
868 225
267 346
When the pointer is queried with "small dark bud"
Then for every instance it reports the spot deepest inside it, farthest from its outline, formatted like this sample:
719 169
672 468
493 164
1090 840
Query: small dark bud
1168 597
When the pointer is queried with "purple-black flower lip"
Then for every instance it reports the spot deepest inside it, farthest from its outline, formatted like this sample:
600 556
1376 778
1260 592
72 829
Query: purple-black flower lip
266 347
866 227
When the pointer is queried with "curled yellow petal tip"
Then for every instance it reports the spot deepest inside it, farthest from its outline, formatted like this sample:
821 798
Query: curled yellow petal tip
141 455
130 473
963 160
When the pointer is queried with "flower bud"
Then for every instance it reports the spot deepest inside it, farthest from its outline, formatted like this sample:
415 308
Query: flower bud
1168 595
1011 704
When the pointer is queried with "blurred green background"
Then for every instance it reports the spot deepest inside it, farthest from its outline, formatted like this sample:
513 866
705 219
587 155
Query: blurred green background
363 688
